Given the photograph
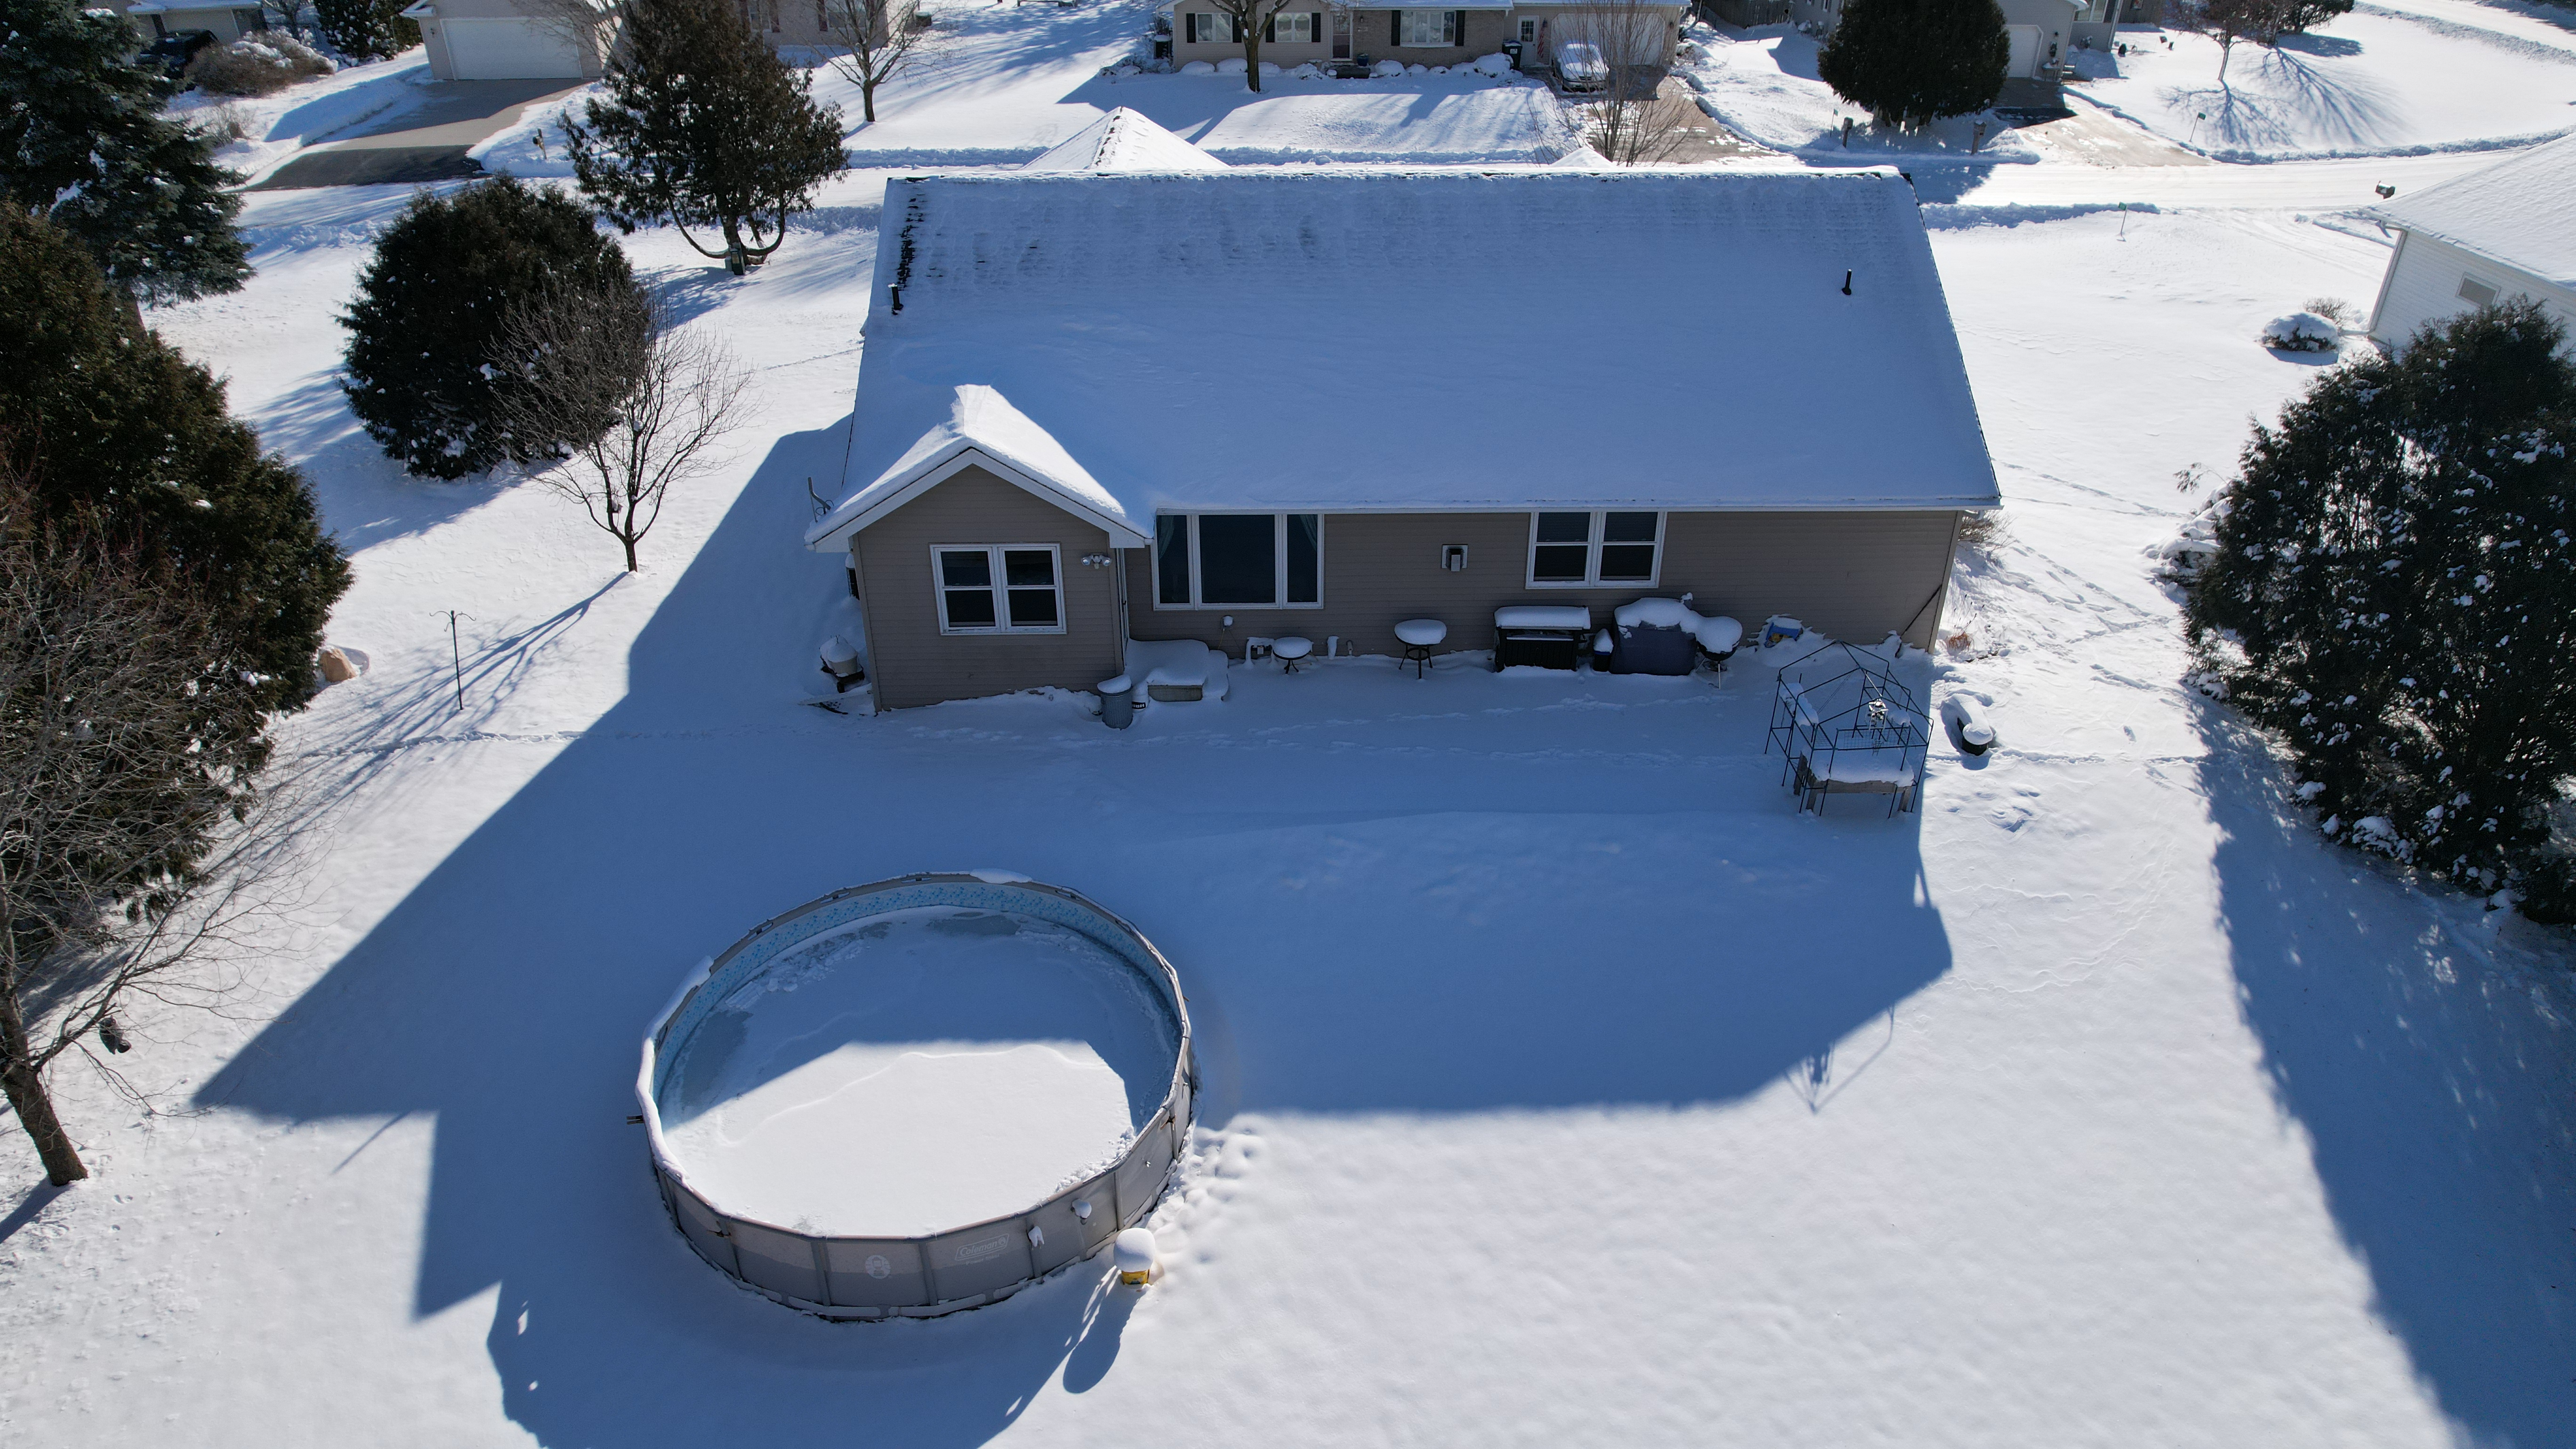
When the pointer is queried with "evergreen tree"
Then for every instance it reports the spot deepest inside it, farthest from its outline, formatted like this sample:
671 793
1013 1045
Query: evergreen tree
83 141
114 432
430 310
2394 593
366 29
1911 62
704 126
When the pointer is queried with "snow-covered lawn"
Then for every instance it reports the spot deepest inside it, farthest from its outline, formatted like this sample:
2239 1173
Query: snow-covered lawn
1011 81
1761 83
1562 1085
2376 82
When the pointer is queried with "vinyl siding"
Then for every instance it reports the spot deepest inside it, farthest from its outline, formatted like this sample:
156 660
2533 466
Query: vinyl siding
1853 575
1372 39
911 663
2423 285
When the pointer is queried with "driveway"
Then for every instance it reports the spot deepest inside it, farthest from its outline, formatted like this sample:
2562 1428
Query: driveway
422 142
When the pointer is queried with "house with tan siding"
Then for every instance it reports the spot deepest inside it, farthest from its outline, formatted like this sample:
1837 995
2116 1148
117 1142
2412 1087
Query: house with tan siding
1131 402
1447 35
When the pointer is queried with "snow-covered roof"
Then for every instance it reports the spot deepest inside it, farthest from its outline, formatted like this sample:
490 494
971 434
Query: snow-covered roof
981 429
2521 212
1386 340
1124 140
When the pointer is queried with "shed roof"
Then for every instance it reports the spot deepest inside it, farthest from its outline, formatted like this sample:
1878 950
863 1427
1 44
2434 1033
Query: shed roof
1124 140
1404 341
2520 211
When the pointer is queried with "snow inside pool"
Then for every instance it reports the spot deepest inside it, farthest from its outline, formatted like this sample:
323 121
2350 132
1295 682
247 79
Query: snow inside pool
922 1070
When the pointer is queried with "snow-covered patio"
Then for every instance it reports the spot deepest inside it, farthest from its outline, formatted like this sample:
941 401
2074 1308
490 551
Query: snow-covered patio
1563 1084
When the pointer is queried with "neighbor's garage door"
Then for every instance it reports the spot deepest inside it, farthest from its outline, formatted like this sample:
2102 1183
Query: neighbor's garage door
2024 61
508 50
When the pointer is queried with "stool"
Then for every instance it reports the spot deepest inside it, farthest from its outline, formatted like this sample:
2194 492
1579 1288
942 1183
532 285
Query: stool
1290 651
1418 635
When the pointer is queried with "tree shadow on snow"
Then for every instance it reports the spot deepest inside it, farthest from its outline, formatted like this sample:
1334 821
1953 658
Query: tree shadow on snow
2427 1068
1548 915
366 497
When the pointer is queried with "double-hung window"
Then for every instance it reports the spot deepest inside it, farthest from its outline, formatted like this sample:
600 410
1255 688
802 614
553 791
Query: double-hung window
999 588
1209 27
1572 550
1430 28
1239 560
1296 27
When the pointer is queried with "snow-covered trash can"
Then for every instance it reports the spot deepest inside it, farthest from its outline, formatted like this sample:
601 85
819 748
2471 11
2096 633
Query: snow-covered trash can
2302 332
1118 702
841 661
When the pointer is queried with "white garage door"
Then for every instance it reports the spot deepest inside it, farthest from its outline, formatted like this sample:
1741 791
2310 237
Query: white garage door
2025 51
508 50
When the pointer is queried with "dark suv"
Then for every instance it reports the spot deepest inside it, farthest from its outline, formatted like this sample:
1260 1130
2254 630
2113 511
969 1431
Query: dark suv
173 51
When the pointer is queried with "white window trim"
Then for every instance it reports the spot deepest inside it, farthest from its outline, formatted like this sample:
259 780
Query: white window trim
1592 553
1001 589
1307 18
1278 554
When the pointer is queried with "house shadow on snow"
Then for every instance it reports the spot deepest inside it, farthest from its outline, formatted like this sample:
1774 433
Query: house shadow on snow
1513 911
2430 1075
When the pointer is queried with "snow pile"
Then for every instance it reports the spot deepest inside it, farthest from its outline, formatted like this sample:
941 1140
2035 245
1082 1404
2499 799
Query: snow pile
924 1070
1657 614
2376 82
1387 69
1201 67
1761 83
2302 332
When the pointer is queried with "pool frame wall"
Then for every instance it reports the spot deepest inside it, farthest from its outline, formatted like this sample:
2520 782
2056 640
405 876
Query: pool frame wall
960 1268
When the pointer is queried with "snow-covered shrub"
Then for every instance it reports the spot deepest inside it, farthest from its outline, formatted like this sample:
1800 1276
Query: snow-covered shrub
226 123
1200 67
1306 72
1496 65
2334 309
1417 70
2392 592
1387 69
255 65
1982 529
2302 332
1231 65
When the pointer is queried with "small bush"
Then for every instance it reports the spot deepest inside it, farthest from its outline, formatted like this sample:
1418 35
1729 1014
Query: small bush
225 123
1981 530
256 65
367 29
2301 332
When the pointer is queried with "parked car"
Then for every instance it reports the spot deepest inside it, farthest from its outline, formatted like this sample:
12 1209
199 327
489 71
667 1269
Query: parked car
1579 67
173 51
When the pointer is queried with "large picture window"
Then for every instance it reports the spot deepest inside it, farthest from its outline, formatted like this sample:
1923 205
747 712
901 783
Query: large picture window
998 588
1239 560
1430 28
1573 550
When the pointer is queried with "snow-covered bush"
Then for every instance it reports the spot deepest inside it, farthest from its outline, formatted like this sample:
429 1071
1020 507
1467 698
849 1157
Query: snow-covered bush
1496 65
1200 67
1231 65
1307 71
1387 69
2392 591
255 65
2302 332
1417 70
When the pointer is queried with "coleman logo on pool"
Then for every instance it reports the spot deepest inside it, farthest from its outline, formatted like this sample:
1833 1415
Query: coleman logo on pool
877 1265
982 1248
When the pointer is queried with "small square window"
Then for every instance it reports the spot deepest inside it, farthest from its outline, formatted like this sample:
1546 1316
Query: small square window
1005 588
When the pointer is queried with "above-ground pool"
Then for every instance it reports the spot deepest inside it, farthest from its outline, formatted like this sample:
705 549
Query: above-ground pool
854 1108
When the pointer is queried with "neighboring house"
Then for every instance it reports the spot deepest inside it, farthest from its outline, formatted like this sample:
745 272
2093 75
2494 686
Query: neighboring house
2040 32
153 19
1135 401
2506 231
1415 37
511 40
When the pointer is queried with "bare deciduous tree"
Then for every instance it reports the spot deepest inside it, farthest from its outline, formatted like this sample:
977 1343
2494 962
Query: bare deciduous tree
878 40
638 405
588 26
1250 21
125 860
1631 121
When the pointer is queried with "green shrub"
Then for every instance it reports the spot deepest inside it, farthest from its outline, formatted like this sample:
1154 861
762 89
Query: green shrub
430 309
255 65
